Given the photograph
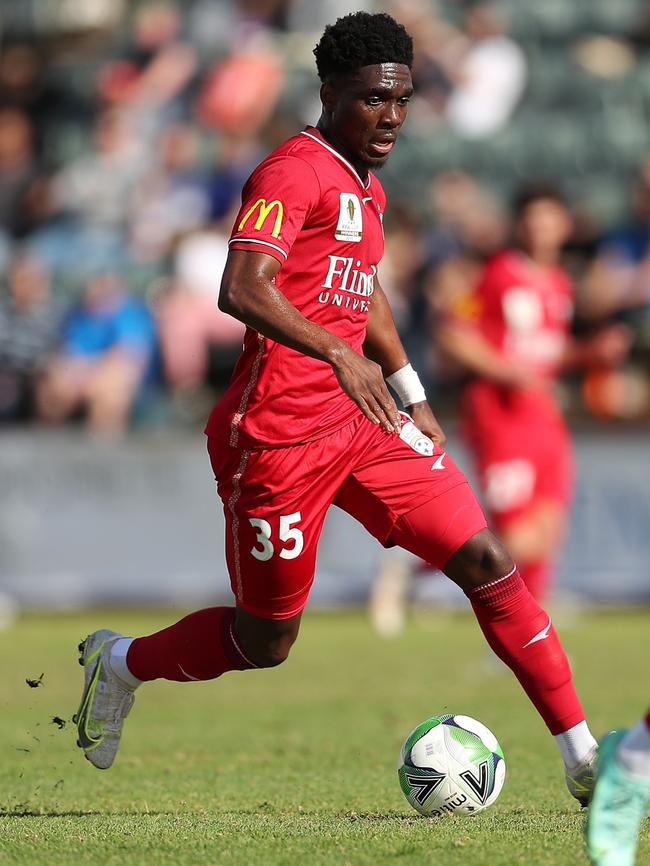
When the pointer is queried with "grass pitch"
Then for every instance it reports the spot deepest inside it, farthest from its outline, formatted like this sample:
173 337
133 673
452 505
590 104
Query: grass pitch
296 766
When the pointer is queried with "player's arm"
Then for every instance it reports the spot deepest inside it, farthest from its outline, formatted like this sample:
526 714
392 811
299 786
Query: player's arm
249 293
608 346
462 343
384 346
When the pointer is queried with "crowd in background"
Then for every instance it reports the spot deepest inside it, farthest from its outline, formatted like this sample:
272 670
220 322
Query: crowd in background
126 136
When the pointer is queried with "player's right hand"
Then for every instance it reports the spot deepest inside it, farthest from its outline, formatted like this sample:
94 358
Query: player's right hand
363 381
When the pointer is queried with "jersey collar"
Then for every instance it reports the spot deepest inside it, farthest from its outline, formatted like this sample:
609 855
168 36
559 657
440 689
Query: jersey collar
315 135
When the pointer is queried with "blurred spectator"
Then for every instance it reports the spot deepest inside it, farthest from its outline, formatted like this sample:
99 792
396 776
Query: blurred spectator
235 160
106 358
490 76
29 331
439 47
619 278
240 93
96 189
465 218
19 173
199 344
172 198
91 198
467 226
403 258
25 85
617 286
152 76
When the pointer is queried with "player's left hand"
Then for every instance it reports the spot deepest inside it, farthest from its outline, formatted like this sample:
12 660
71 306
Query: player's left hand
425 420
609 346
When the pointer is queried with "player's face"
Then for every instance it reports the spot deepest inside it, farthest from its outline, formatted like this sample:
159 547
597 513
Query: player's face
366 112
544 227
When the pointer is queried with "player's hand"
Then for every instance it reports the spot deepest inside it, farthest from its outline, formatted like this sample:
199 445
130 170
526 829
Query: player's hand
609 346
426 422
363 381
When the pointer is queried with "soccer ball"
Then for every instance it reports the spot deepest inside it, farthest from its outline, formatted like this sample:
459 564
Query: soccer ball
451 764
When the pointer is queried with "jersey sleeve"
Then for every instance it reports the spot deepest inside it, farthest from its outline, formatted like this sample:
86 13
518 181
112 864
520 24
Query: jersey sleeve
276 200
491 287
481 298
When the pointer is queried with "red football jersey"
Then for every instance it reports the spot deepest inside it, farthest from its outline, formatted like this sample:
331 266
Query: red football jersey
306 206
525 311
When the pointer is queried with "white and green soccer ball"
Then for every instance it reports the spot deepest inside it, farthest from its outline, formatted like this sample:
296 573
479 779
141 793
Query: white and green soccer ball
451 764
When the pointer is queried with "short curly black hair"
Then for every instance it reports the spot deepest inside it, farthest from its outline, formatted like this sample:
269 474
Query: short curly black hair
361 39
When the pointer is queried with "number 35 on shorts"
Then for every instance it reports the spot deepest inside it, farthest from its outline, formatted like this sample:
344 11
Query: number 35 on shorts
289 538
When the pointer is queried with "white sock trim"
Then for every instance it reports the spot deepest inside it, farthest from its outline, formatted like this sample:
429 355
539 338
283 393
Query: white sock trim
633 751
575 744
117 660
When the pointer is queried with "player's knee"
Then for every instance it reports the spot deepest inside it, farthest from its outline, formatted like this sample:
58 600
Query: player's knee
481 559
272 654
266 643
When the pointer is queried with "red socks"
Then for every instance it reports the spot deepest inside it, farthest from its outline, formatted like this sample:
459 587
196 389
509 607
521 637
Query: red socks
521 634
201 646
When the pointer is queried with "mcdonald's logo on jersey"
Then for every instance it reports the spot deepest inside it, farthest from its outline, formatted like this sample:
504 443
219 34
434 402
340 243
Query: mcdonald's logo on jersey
264 209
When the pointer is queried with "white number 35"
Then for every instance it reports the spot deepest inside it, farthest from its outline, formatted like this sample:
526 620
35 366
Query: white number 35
287 533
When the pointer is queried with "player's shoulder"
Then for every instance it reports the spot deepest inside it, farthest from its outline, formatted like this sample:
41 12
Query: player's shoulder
502 260
498 268
291 157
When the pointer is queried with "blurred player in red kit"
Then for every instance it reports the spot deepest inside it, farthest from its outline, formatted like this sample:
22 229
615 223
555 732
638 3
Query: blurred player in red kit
512 336
308 421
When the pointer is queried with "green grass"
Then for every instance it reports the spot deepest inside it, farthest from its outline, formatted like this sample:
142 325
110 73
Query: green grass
295 766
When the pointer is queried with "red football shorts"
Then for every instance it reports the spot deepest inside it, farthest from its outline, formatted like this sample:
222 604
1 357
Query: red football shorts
522 450
275 502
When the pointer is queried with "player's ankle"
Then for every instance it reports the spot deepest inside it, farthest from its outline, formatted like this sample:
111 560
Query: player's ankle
119 666
575 744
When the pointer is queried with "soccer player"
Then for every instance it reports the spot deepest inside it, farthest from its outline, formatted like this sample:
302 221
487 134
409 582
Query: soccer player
308 422
621 796
510 335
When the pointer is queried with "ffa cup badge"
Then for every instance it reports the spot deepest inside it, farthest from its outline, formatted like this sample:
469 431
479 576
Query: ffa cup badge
350 224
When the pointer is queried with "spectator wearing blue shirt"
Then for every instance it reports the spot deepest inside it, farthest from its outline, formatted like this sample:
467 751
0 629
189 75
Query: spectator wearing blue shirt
106 358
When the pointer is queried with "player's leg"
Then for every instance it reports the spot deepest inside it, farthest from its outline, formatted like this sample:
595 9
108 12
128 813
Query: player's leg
202 646
274 503
206 644
621 796
434 514
526 478
517 629
534 539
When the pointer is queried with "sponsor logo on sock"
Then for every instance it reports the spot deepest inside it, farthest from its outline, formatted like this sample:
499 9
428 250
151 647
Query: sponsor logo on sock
541 635
438 463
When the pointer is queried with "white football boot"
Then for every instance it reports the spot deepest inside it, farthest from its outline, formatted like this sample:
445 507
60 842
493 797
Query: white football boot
105 703
580 779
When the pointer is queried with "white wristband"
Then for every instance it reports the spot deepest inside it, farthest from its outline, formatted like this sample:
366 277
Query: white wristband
406 384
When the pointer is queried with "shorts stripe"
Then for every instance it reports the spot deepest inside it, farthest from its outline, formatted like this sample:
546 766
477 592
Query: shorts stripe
243 403
232 502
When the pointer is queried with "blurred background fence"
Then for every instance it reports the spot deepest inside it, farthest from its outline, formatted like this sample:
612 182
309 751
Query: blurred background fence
126 132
